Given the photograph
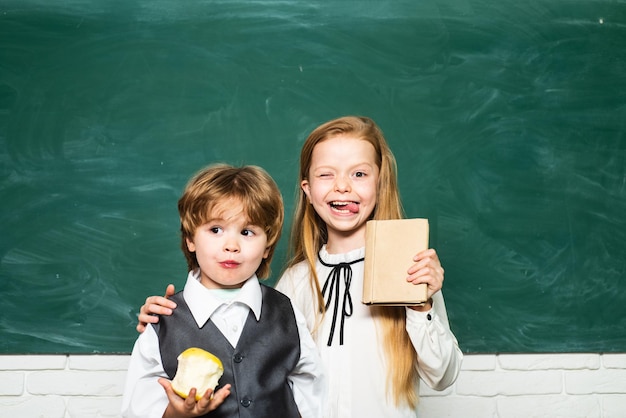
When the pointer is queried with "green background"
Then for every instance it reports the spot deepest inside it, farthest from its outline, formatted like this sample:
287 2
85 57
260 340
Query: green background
508 120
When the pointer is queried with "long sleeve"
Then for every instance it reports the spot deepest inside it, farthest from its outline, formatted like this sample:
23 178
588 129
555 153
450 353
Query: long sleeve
439 355
143 395
308 381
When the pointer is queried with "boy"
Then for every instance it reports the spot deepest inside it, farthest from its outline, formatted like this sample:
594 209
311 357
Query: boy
231 220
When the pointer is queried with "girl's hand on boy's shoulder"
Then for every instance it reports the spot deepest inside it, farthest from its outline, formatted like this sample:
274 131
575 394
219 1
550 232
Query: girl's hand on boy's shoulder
427 269
155 305
189 407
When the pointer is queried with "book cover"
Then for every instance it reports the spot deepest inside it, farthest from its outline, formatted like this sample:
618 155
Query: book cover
390 246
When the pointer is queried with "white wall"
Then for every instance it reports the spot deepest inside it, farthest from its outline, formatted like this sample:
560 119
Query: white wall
554 385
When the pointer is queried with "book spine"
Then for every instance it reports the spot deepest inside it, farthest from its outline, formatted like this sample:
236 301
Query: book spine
368 279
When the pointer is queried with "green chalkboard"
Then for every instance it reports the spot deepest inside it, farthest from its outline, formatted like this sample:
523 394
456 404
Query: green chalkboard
508 120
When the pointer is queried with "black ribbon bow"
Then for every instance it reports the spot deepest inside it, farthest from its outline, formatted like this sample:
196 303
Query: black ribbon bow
332 285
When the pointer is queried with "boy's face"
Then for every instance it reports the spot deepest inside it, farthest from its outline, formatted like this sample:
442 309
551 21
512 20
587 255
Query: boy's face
229 249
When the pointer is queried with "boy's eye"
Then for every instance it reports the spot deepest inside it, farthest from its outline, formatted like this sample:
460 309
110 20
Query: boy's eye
247 232
215 229
360 174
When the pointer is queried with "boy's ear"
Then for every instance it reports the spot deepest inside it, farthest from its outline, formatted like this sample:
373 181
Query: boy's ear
190 245
267 252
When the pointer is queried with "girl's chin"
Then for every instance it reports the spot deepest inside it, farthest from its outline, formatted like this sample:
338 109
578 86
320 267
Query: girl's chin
345 226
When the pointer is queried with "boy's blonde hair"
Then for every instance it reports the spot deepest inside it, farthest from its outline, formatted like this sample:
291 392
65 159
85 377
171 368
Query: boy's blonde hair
309 233
214 187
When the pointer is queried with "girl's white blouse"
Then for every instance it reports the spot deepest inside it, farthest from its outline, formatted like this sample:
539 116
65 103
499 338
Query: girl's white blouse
356 370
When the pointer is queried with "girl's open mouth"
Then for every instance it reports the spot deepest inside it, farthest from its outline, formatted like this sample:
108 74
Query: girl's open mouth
344 207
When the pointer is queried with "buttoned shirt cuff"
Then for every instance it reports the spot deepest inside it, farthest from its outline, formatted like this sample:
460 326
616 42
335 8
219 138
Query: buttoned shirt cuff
419 318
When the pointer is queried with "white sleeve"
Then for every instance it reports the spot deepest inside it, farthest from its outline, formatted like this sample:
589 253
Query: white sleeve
295 284
438 354
143 395
308 381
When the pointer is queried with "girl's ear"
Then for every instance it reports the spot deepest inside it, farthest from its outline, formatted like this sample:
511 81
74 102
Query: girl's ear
304 185
190 245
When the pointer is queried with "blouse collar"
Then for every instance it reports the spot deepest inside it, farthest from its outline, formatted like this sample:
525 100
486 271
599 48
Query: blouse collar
341 257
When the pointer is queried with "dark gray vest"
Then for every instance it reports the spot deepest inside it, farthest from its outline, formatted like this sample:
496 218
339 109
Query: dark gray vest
257 369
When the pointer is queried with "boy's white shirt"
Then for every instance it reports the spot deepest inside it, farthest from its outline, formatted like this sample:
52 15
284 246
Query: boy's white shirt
356 371
145 397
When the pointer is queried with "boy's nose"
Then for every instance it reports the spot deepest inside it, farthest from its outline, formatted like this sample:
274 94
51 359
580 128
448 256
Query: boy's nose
232 249
231 245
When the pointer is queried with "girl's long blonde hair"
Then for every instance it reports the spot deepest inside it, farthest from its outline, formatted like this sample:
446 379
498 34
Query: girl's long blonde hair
309 233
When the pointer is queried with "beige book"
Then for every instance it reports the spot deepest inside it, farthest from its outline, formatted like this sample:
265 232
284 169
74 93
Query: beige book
390 246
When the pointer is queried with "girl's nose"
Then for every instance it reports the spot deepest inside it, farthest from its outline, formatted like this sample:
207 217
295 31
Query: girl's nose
342 184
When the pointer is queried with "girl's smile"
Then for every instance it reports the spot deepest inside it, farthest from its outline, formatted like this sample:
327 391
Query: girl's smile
345 207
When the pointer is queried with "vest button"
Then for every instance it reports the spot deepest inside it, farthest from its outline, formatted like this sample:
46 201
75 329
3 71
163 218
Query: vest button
238 358
245 402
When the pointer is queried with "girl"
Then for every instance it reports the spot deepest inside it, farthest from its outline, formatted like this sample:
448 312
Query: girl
374 356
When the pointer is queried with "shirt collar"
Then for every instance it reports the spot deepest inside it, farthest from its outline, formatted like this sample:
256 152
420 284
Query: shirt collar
202 303
341 257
